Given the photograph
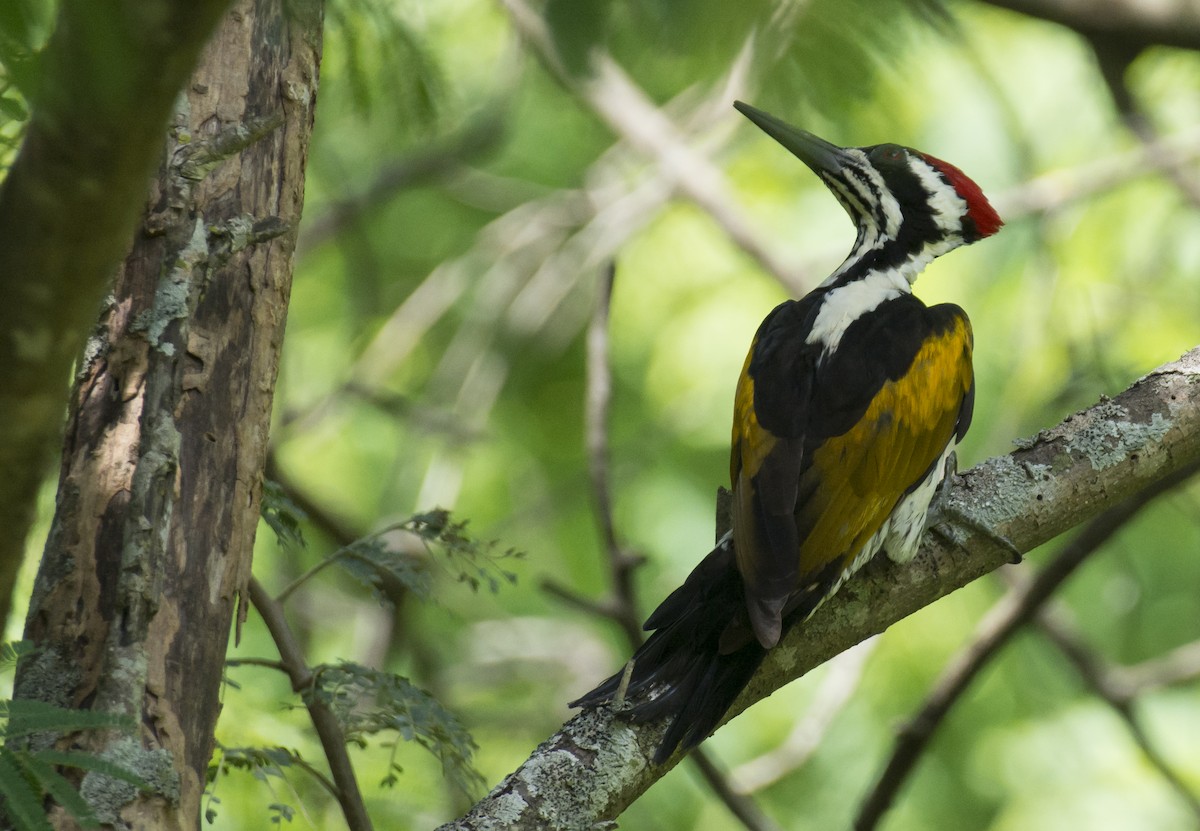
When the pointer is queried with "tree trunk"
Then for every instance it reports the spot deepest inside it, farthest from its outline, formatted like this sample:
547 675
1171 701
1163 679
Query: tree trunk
158 498
105 84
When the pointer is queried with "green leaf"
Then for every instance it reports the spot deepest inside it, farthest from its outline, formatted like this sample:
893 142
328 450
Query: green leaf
96 764
283 516
471 561
261 763
281 811
21 802
382 568
11 652
26 716
368 702
13 109
381 52
257 758
57 786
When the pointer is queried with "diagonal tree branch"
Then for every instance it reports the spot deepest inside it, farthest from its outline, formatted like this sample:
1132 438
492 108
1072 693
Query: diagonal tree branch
621 563
626 109
1017 608
329 731
1178 666
598 764
622 606
1164 23
1059 188
1108 683
845 672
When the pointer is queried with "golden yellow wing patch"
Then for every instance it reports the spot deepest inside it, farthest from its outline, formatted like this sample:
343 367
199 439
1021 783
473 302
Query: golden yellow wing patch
750 443
857 478
852 482
750 446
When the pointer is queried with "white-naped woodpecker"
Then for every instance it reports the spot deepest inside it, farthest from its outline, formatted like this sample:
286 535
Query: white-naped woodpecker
849 406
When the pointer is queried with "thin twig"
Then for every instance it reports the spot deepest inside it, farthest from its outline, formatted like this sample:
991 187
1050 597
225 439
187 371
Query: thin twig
1108 683
613 96
329 731
621 606
256 662
1013 610
347 551
1057 189
438 159
621 565
835 691
324 781
596 410
1066 475
600 608
325 521
310 573
1114 56
742 807
1178 666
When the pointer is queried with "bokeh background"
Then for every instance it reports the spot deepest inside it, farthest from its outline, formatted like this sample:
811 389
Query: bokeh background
475 167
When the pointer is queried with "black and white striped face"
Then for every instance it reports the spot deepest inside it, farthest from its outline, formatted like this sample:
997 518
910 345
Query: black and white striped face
909 207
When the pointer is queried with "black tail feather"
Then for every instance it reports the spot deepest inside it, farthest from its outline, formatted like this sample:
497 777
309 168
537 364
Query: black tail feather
680 671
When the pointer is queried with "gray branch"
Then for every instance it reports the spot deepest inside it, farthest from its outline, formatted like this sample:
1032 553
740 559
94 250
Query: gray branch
598 764
1133 22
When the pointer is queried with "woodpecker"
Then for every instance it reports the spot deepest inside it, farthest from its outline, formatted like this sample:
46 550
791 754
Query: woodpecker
847 413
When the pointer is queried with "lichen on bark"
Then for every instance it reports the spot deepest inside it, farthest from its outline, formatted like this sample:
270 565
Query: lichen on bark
149 551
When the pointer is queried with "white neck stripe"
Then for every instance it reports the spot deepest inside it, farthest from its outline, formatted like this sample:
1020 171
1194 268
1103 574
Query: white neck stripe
846 304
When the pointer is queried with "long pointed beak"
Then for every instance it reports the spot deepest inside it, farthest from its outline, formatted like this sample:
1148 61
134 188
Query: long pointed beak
818 154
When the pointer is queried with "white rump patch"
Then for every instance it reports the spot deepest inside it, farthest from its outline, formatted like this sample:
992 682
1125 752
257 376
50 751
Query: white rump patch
901 534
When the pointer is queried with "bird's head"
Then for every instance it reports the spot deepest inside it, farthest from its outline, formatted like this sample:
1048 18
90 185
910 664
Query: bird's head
909 206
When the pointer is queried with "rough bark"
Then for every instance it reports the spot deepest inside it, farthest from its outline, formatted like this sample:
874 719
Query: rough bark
598 764
106 84
159 489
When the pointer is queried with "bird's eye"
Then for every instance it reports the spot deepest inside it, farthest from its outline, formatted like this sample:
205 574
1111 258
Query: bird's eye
887 153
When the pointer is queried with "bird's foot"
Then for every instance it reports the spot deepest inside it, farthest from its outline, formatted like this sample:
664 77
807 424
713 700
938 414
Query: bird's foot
947 519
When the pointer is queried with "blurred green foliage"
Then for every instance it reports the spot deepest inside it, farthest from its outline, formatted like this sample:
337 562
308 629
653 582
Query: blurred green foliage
461 205
493 260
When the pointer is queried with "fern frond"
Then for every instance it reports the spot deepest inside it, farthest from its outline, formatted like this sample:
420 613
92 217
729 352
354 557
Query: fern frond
20 801
26 716
62 791
95 764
